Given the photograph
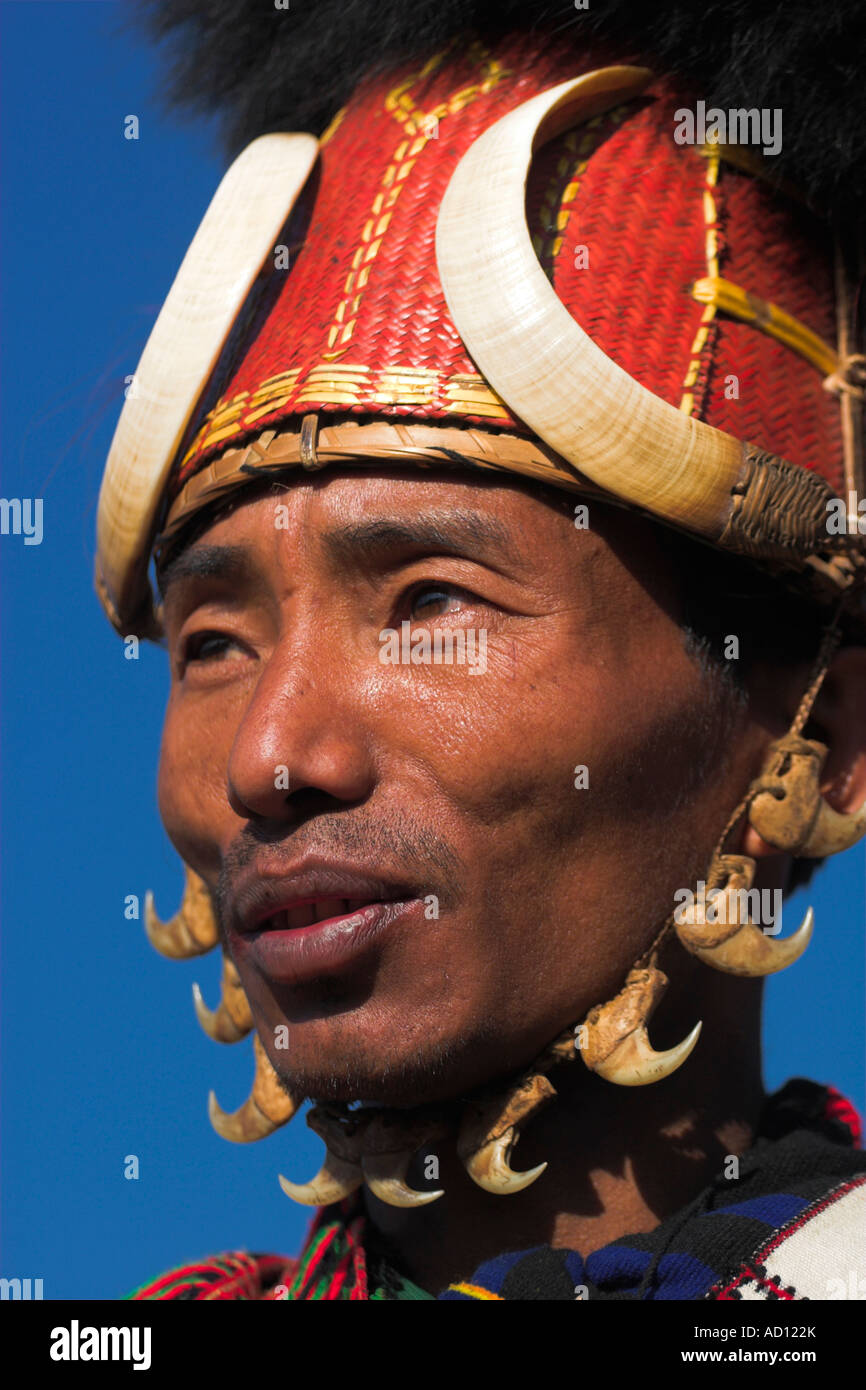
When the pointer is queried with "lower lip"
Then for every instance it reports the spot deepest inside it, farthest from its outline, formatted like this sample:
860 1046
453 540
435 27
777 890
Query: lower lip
302 953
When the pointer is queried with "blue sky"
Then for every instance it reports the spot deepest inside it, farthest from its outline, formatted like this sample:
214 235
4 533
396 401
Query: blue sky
102 1056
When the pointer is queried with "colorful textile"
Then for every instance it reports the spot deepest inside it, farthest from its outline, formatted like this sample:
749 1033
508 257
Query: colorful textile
778 1230
820 1254
333 1266
234 1275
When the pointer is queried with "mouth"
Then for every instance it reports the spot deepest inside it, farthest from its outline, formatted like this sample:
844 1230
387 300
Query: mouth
320 920
314 912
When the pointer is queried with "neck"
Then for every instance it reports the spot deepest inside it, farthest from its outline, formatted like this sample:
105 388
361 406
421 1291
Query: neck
620 1159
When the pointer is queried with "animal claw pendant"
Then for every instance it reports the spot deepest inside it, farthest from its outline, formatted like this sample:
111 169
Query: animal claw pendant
377 1146
717 927
232 1019
490 1130
373 1147
788 810
192 931
616 1043
267 1108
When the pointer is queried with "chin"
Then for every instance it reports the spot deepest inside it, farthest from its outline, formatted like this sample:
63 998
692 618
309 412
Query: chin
398 1081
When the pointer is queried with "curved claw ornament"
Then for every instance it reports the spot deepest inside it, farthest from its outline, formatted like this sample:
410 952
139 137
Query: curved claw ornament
833 831
340 1175
634 1062
335 1180
491 1167
385 1175
616 1044
720 934
265 1110
231 1020
788 810
490 1131
387 1140
192 931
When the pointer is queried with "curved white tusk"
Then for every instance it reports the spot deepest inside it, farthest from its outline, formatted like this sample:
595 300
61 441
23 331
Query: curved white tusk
491 1169
236 235
335 1180
833 832
633 1062
385 1175
750 951
540 361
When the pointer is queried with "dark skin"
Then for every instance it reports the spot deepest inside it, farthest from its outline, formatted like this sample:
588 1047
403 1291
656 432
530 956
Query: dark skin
462 786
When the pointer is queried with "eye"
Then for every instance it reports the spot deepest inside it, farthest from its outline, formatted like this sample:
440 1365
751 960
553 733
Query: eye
434 600
206 646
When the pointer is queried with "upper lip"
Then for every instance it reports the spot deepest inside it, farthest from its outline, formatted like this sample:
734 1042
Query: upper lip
259 895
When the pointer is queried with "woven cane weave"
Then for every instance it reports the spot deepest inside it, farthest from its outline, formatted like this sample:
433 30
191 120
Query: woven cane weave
625 222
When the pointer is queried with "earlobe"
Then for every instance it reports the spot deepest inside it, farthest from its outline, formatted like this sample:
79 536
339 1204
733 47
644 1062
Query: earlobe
754 845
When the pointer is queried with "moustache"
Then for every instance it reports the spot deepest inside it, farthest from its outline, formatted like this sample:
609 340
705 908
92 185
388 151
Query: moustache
399 848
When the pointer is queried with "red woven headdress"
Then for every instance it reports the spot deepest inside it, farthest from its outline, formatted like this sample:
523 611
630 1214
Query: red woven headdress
703 284
626 223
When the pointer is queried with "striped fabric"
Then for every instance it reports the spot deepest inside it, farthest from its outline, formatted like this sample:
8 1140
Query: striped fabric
805 1158
234 1275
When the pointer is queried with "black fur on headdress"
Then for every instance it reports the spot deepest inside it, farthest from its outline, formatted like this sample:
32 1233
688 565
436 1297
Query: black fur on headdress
261 68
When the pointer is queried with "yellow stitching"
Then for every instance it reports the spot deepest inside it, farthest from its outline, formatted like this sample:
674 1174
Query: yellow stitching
219 423
769 318
711 251
468 394
423 125
333 127
348 383
587 140
271 395
406 386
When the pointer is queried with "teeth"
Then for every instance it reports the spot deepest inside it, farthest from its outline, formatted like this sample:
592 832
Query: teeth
321 911
300 916
329 907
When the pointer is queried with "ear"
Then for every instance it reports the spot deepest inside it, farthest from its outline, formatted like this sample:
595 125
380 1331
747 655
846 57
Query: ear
838 719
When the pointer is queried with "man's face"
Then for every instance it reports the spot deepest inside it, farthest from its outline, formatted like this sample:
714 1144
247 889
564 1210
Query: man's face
428 870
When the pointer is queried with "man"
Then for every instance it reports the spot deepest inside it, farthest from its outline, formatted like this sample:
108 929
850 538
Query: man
489 450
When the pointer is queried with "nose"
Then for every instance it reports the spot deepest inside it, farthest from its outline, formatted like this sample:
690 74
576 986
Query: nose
302 737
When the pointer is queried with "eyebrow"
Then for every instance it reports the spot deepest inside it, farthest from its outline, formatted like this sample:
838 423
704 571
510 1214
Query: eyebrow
206 562
451 532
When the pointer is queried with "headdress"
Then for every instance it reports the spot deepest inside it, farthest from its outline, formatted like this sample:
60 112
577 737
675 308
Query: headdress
499 255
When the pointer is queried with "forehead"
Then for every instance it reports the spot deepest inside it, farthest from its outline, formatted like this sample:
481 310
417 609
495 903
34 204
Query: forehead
356 524
348 511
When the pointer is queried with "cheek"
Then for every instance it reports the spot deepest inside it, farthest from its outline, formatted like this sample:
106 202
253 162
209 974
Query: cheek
191 785
554 737
567 783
